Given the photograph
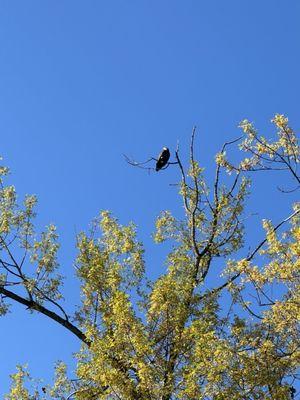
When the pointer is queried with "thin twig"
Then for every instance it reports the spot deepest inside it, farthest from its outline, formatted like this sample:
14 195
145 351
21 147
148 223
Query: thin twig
251 256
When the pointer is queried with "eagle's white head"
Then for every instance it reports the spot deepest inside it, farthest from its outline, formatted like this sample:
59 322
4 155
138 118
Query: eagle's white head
165 148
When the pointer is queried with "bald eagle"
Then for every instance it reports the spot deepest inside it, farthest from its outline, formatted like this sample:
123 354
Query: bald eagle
163 158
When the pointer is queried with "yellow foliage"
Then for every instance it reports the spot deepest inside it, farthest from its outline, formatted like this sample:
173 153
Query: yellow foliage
220 322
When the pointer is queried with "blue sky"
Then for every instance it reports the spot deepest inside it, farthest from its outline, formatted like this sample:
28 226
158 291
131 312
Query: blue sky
82 82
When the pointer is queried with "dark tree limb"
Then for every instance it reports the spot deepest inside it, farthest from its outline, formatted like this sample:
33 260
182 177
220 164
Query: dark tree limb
33 305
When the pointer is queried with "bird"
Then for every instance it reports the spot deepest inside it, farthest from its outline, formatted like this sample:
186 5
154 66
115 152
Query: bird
163 158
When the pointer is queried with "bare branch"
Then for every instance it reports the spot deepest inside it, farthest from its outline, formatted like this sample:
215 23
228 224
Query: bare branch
33 305
183 177
288 191
141 165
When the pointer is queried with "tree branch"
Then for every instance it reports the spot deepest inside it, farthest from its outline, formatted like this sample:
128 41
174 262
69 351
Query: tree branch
33 305
250 257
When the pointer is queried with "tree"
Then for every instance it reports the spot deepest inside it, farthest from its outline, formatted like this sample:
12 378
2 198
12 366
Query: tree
180 337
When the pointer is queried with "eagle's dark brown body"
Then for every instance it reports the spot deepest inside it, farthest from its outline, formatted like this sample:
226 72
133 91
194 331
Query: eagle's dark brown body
163 159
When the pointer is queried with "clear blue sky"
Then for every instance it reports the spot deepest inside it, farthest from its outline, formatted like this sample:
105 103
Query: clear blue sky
82 82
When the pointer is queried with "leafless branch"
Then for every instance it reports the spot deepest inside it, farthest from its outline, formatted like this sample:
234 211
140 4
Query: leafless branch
33 305
141 165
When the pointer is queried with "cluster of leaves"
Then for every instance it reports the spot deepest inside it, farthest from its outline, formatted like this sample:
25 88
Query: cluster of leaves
178 337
